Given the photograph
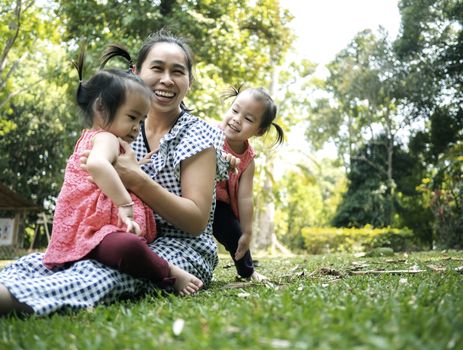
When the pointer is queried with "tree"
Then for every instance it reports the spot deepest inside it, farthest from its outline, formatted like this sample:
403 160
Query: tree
22 27
307 196
233 42
35 118
364 103
430 48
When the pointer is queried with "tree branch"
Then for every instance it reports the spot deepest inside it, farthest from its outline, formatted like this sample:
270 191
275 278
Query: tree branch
372 164
10 41
13 94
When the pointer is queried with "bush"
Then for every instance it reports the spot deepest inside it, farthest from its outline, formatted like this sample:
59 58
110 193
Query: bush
444 191
320 240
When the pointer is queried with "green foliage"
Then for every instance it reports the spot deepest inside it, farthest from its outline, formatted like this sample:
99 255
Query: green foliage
321 240
377 87
36 122
233 42
306 196
444 192
367 198
430 48
314 303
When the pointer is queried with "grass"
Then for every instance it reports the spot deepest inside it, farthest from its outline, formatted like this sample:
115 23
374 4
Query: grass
314 302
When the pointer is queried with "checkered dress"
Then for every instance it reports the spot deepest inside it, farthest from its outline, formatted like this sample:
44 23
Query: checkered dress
86 283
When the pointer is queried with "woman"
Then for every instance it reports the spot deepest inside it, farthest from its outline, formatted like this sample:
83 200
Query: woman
177 182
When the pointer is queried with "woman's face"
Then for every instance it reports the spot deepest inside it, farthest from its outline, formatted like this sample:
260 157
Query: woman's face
165 71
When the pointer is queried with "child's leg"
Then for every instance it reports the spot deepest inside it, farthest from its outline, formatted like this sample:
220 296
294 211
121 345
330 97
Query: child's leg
227 231
130 254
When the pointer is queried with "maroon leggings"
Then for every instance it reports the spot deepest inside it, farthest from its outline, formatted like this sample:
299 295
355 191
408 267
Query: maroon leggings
130 254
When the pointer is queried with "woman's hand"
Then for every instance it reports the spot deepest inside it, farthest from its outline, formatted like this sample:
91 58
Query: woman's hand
127 166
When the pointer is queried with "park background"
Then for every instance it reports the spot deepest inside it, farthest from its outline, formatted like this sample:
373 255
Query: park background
370 172
373 155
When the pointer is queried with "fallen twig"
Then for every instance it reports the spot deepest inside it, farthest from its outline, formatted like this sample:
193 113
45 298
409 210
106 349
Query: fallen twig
393 261
379 272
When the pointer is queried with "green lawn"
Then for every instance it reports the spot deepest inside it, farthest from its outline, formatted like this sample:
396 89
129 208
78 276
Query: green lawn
314 302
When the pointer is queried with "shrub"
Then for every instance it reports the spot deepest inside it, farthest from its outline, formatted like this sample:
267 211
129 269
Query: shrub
444 191
320 240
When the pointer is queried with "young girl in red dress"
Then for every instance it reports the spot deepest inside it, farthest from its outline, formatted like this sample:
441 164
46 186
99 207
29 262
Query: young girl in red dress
251 114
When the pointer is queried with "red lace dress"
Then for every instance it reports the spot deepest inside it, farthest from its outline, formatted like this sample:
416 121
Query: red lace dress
84 215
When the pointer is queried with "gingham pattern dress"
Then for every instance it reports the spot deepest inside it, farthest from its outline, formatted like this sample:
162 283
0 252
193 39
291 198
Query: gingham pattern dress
86 283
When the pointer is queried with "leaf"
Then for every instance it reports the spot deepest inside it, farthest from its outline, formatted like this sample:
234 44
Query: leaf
177 326
243 295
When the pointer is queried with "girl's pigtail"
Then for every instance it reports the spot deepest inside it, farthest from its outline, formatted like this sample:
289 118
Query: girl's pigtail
79 65
231 92
116 50
280 134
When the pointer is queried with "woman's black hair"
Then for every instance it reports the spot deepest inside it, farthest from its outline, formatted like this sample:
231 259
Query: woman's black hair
161 36
270 109
105 90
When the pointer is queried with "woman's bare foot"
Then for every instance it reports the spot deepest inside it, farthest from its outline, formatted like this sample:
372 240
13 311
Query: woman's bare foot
185 282
9 304
257 277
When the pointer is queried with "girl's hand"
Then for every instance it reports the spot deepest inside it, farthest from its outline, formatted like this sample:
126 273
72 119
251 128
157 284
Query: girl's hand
232 160
243 245
83 163
146 159
126 216
127 166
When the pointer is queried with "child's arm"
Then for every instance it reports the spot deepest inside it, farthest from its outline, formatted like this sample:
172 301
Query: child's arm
99 164
245 209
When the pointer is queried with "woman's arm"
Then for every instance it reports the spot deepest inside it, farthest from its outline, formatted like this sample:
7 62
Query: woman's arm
245 209
190 212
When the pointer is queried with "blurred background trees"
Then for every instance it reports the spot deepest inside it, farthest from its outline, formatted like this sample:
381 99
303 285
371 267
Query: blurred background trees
392 110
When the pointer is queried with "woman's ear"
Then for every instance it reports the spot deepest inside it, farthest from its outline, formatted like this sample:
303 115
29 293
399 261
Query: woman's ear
133 68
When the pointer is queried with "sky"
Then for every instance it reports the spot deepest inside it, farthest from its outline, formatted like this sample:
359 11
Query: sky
325 27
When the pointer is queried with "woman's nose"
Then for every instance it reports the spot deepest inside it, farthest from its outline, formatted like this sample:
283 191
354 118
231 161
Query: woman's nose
166 79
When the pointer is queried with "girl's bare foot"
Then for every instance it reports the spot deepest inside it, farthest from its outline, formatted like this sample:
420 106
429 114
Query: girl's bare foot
185 282
257 277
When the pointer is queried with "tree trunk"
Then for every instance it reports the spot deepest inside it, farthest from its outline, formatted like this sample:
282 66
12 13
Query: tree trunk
264 224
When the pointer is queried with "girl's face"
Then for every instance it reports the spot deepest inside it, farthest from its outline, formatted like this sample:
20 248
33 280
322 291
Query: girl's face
165 72
130 115
244 118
